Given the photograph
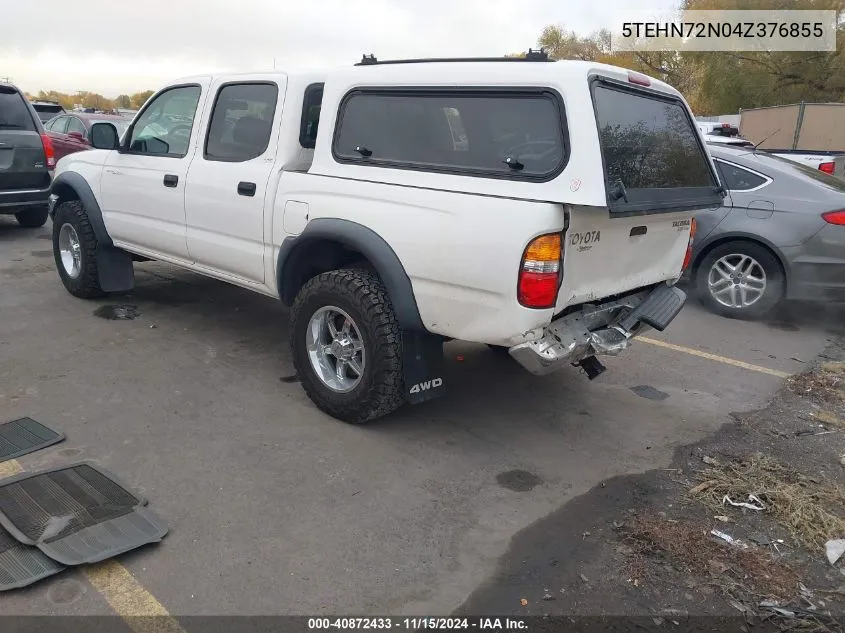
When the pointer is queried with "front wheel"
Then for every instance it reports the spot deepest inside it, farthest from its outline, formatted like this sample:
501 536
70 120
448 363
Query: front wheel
75 251
347 345
740 280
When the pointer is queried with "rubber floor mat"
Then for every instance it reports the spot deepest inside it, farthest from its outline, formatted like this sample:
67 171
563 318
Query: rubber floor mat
23 436
22 565
77 514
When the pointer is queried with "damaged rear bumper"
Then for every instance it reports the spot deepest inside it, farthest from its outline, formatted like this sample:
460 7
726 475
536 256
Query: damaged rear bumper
599 329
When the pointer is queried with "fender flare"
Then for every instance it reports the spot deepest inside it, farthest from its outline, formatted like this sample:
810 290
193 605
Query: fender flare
77 183
368 243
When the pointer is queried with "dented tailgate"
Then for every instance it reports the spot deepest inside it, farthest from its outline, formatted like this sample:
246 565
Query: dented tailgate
606 255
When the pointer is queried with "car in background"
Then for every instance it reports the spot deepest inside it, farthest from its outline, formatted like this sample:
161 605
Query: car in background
832 163
70 132
47 109
779 234
27 159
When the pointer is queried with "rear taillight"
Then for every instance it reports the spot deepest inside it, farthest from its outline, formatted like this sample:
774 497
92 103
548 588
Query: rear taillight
688 256
49 151
539 274
835 217
828 167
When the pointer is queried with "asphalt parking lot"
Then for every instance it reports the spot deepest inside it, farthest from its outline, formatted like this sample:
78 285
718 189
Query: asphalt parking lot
275 508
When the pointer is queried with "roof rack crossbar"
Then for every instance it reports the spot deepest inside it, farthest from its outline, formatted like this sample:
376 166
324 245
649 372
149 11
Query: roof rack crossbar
533 55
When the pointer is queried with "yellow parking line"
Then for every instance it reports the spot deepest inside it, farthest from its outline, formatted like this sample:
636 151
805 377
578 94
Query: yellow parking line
716 357
10 468
137 606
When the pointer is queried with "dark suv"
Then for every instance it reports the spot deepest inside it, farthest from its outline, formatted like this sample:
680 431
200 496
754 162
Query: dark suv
47 110
27 159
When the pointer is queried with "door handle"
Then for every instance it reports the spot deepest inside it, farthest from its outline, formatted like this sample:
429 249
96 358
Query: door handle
170 180
246 189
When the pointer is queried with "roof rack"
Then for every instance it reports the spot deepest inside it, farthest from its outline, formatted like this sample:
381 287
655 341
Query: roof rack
533 55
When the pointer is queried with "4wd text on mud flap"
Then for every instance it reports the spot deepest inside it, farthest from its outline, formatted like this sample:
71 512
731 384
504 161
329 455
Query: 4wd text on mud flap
428 384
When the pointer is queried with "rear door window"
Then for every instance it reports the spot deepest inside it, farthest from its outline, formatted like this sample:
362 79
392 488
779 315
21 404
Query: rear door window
653 157
241 122
518 134
59 124
14 113
75 125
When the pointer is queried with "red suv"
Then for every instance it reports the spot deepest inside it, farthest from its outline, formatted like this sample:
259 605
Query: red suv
69 131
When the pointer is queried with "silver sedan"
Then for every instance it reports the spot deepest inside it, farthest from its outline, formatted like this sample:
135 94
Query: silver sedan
780 234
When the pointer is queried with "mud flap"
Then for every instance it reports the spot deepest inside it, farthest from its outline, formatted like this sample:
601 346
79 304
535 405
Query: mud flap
115 269
422 366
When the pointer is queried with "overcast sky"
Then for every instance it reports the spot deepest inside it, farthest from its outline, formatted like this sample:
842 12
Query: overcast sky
124 46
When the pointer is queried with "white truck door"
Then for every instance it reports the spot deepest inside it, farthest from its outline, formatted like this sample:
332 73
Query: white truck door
227 181
142 191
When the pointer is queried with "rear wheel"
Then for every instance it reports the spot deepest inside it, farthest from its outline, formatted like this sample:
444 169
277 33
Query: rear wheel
740 280
75 251
32 218
346 345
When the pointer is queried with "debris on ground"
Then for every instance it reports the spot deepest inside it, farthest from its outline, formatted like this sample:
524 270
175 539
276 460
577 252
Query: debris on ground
834 550
753 503
735 571
812 511
827 383
727 538
523 601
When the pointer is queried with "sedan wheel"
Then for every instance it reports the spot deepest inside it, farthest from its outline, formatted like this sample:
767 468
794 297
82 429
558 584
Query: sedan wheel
740 279
737 281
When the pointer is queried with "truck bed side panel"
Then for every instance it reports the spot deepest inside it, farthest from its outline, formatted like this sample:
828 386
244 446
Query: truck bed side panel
462 252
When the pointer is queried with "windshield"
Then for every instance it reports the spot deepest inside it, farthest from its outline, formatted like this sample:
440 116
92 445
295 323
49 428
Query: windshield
47 111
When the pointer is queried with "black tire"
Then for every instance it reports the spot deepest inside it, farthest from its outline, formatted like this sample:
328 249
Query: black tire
361 294
775 280
33 218
86 285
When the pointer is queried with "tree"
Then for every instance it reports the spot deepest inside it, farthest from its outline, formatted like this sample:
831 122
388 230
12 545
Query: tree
673 68
732 80
723 82
123 101
140 98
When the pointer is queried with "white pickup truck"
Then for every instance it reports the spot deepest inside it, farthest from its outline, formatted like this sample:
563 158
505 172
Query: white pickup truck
540 207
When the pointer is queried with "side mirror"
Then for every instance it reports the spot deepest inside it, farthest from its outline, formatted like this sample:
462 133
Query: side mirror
104 136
